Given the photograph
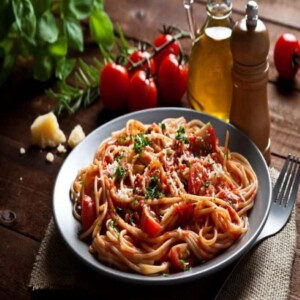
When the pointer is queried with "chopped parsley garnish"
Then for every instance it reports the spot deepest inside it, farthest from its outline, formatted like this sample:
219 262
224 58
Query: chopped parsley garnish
152 191
140 141
163 126
122 140
226 155
113 224
135 202
181 135
120 172
186 265
206 184
120 157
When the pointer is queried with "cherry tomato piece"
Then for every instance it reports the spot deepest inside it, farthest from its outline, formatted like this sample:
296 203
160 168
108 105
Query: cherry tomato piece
173 48
172 80
137 56
286 49
179 257
149 222
205 142
142 92
114 86
184 211
88 212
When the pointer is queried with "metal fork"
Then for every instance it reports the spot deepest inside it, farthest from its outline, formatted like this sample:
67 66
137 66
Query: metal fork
283 200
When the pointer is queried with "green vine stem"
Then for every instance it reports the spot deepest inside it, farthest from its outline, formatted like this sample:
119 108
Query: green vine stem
70 98
176 37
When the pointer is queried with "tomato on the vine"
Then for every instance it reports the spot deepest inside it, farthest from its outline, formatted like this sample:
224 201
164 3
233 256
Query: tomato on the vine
286 53
114 86
172 80
142 92
139 55
173 48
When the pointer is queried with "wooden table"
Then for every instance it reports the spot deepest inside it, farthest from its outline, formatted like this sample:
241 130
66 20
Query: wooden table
26 181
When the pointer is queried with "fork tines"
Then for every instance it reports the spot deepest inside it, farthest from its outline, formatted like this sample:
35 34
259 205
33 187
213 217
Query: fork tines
290 180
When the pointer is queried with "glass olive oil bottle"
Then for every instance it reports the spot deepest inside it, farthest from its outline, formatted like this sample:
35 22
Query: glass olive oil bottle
209 78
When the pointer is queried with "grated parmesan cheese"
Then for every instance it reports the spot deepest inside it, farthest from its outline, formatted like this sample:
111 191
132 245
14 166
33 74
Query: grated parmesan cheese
125 193
111 168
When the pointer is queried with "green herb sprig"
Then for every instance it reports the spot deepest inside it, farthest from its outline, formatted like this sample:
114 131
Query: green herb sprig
41 34
85 91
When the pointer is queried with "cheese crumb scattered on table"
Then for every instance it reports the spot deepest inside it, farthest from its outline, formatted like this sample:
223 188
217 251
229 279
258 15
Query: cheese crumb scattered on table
22 150
50 157
45 131
76 136
61 148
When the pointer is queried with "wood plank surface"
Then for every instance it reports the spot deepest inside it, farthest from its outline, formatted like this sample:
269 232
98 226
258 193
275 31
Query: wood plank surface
26 181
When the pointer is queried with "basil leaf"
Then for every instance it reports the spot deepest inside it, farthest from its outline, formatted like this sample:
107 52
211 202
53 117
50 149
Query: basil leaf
6 17
25 18
47 28
74 34
40 6
101 29
64 67
43 66
98 4
79 9
60 47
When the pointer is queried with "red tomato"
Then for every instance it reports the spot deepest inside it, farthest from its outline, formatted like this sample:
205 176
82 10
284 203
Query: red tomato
149 222
88 212
114 86
205 142
286 50
179 257
197 179
173 48
172 80
142 92
137 56
185 212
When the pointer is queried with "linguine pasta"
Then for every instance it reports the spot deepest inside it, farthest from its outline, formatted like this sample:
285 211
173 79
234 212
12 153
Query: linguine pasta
161 198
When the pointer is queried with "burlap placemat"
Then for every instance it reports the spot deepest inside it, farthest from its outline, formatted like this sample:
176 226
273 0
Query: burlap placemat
264 273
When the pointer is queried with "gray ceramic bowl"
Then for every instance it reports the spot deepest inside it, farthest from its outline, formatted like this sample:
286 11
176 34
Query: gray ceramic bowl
83 154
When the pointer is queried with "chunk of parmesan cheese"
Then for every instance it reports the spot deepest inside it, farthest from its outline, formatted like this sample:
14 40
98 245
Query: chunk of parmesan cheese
61 148
45 131
76 136
50 157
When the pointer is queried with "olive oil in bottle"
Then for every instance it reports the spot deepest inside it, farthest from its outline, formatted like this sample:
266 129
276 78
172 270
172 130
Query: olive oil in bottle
209 78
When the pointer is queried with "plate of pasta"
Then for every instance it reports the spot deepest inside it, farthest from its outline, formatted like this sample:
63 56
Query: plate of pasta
161 196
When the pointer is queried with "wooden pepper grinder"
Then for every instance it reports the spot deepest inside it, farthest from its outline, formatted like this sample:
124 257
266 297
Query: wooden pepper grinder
249 110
